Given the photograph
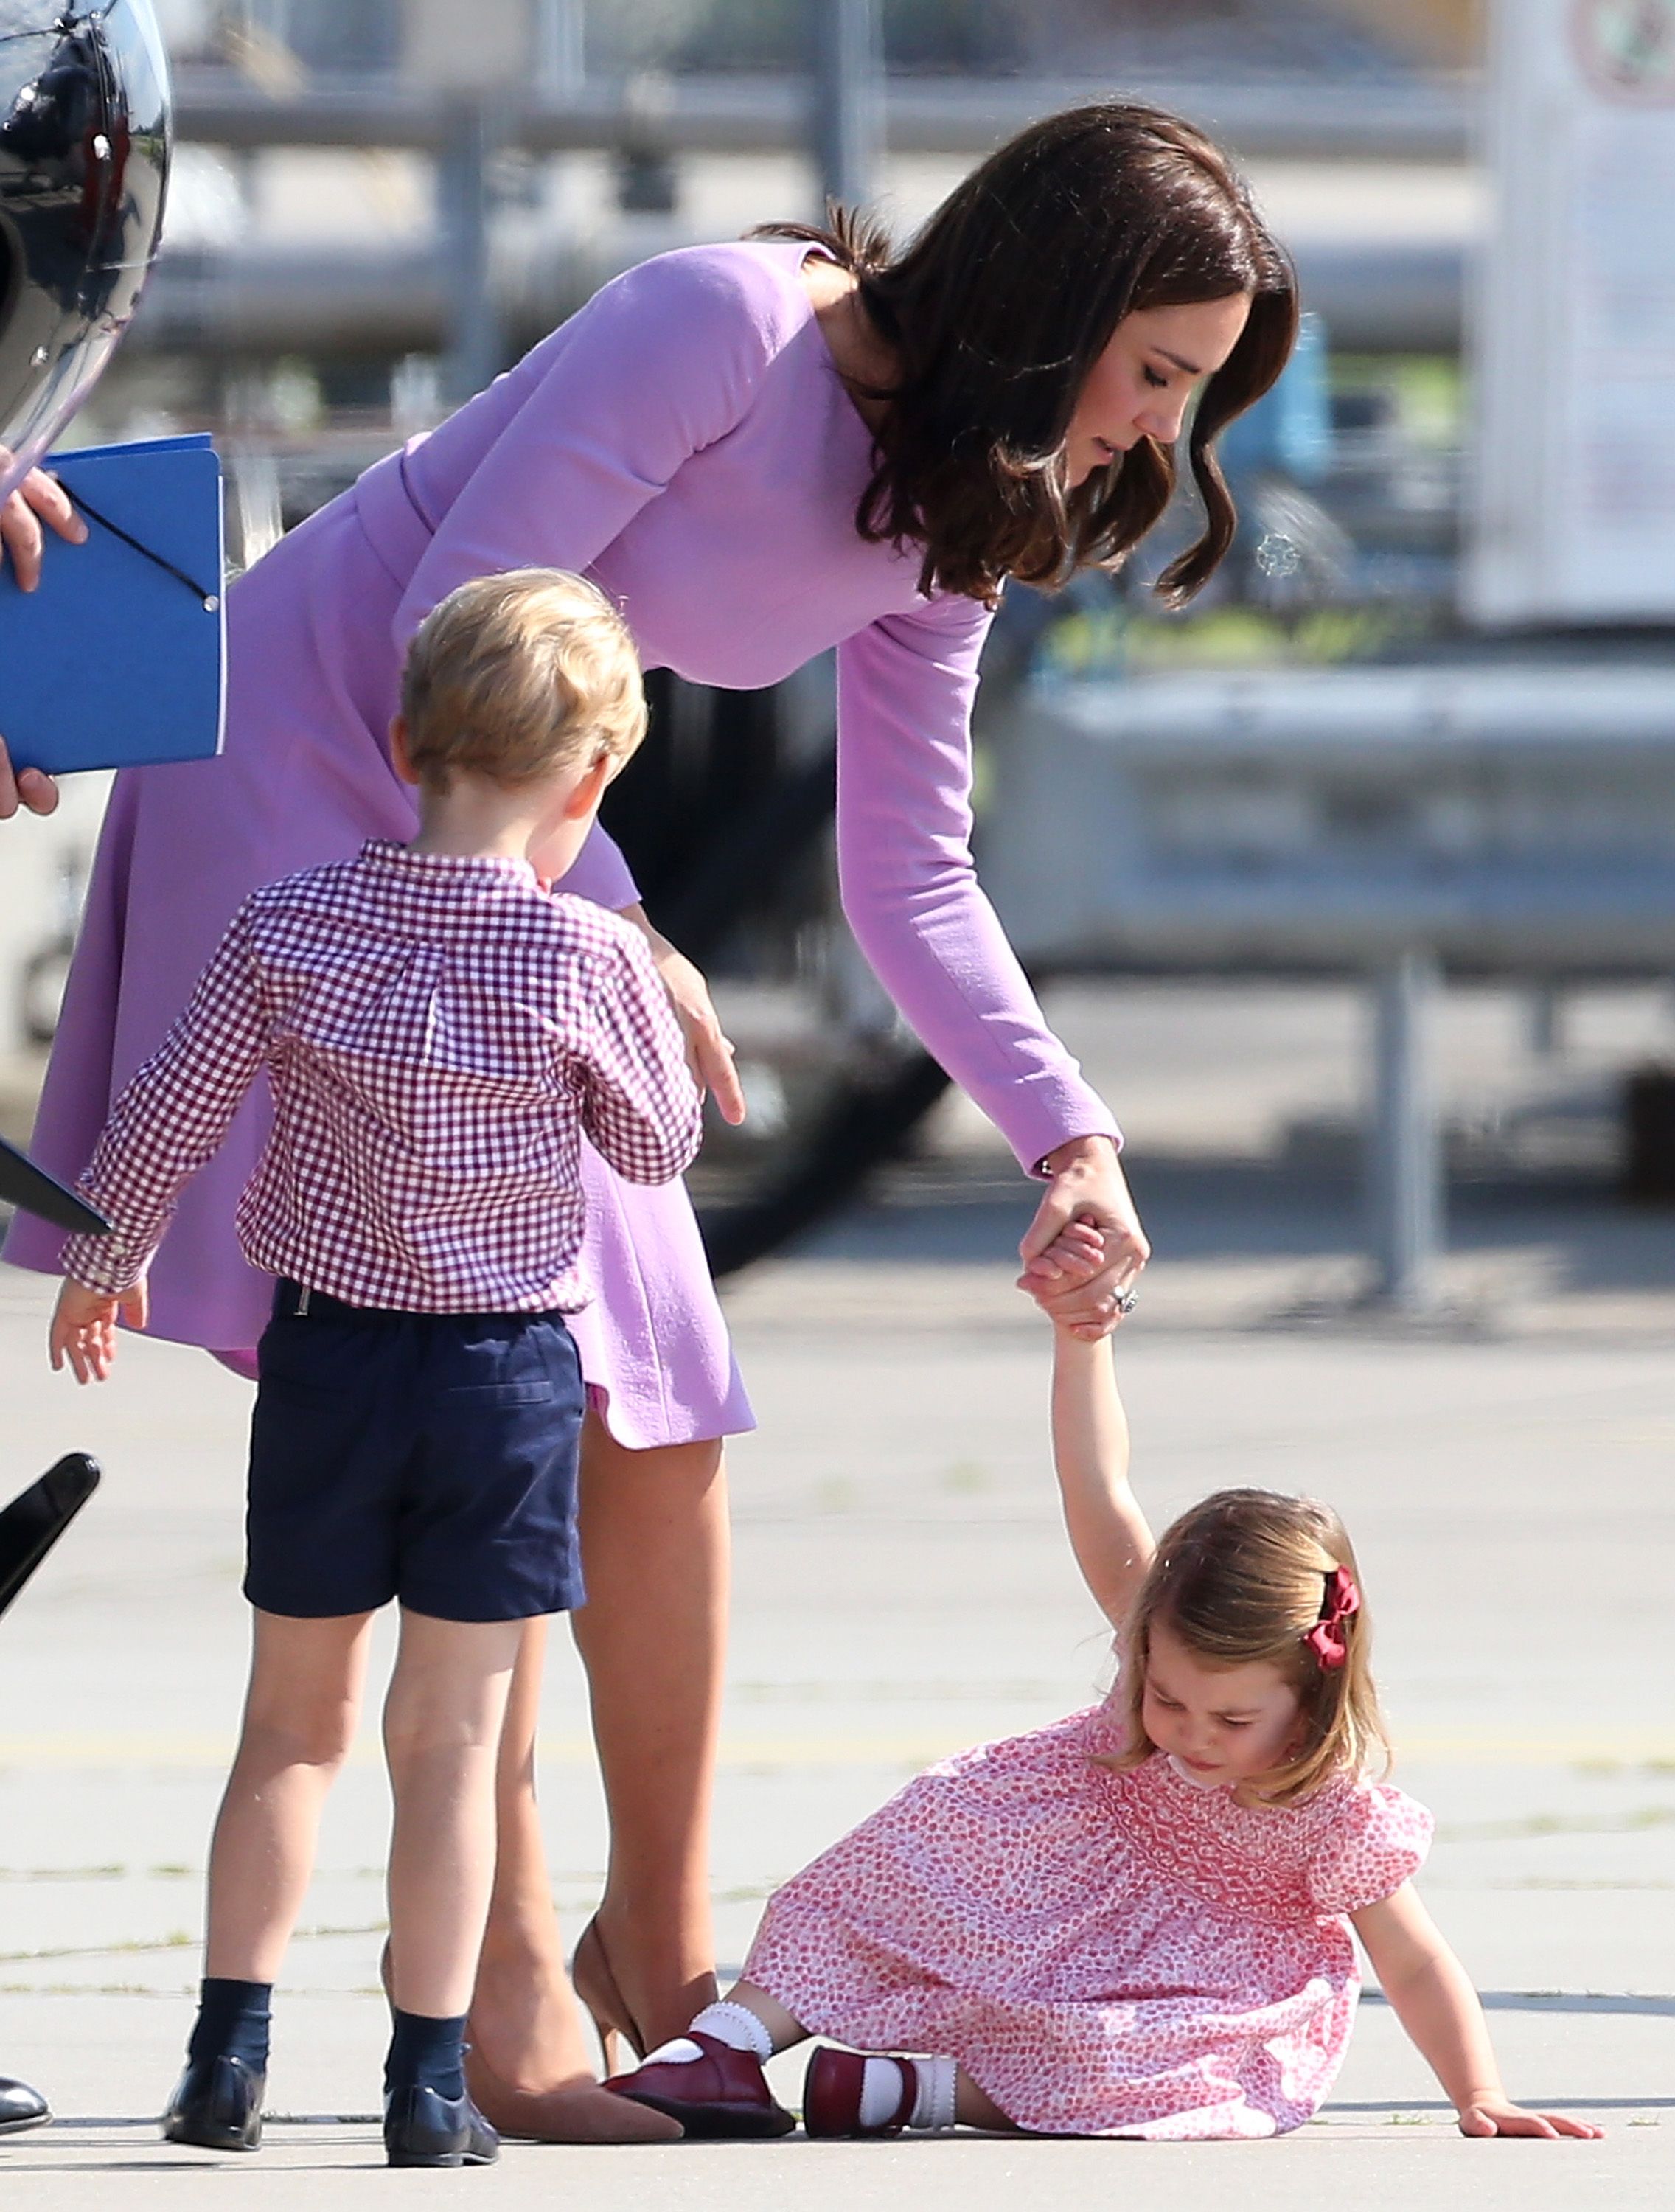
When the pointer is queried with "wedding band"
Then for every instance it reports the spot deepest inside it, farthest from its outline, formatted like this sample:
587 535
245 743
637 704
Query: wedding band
1126 1302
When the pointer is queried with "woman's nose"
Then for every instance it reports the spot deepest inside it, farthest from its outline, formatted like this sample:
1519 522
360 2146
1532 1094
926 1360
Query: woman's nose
1163 421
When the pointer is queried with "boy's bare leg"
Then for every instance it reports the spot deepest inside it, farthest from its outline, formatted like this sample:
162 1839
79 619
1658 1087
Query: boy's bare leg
300 1713
441 1736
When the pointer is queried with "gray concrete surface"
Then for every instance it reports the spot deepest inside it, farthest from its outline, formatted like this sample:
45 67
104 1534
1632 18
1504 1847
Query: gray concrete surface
904 1588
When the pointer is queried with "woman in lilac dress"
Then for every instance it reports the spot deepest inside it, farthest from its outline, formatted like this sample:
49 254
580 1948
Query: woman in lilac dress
759 450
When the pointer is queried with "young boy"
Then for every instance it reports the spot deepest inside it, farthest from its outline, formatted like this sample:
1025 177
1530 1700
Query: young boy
438 1033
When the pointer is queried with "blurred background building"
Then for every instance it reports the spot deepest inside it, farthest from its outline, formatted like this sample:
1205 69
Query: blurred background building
378 204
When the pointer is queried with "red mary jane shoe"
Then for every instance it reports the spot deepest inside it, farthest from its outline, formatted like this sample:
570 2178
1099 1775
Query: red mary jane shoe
832 2093
724 2094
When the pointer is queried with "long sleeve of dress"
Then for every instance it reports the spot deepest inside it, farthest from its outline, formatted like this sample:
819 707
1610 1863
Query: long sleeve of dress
661 362
910 891
172 1117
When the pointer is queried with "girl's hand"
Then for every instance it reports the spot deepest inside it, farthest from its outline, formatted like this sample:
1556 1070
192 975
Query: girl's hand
84 1327
39 498
1089 1187
27 788
1495 2116
1076 1254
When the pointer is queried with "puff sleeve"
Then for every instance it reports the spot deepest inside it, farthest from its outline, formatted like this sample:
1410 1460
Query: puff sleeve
1378 1841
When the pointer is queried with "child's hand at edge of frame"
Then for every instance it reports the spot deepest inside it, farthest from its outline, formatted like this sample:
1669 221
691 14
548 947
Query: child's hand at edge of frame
84 1324
1498 2116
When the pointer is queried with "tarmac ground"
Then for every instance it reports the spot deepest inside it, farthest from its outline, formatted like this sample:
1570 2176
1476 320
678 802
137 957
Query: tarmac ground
904 1588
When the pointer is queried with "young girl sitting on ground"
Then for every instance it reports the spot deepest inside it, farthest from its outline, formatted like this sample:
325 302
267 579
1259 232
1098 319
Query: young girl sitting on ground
1135 1922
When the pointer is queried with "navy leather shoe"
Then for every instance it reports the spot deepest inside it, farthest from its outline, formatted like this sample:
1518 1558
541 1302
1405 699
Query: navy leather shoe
21 2107
217 2106
422 2127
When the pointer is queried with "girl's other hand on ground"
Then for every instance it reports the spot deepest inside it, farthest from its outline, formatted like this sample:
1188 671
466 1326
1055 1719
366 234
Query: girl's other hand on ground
1494 2116
84 1324
27 788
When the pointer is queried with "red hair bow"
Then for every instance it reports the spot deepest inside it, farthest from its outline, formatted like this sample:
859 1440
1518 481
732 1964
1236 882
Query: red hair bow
1327 1640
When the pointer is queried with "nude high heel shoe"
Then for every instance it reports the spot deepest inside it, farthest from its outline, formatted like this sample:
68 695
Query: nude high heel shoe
596 1985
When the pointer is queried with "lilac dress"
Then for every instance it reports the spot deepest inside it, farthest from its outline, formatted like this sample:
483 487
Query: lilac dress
685 441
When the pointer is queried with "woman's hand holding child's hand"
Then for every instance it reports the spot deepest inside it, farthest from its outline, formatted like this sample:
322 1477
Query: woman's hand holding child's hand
84 1324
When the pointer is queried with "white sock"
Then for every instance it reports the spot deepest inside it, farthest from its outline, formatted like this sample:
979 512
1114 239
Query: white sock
935 2080
735 2025
938 2084
881 2091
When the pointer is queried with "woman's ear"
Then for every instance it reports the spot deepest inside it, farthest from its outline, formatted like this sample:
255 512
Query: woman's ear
400 758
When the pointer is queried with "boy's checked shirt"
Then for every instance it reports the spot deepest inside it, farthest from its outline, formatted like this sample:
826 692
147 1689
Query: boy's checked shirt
439 1032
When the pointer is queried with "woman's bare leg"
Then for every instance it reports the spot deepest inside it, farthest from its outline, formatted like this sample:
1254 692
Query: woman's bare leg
654 1547
652 1635
530 2066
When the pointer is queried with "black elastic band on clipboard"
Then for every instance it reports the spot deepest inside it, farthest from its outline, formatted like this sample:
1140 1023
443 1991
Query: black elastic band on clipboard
211 599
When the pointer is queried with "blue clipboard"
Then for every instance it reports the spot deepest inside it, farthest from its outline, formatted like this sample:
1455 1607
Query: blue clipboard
118 657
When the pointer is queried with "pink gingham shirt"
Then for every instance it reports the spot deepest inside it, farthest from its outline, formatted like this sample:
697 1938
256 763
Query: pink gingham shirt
439 1031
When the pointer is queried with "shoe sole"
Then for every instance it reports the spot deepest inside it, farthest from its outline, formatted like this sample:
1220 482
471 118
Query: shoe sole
208 2142
447 2159
22 2127
720 2122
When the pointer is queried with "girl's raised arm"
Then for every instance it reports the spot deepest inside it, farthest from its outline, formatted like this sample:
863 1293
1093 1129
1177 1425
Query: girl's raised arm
1109 1532
1432 1996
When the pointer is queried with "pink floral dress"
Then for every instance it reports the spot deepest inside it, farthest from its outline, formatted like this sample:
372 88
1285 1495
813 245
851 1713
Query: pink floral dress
1105 1953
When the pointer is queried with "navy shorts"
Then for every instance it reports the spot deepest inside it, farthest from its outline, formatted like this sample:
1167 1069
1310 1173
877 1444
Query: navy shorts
428 1457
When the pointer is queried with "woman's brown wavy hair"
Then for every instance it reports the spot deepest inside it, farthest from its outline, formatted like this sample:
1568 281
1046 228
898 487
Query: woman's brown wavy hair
1241 1577
1000 307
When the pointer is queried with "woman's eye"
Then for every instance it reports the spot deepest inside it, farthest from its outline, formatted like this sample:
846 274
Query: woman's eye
1157 383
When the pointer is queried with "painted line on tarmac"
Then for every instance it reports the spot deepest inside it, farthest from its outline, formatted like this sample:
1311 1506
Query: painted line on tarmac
1631 1747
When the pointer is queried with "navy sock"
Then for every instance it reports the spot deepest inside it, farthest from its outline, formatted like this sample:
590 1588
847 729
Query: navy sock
231 2023
425 2054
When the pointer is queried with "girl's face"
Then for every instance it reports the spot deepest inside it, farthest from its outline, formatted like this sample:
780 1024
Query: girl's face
1223 1723
1140 385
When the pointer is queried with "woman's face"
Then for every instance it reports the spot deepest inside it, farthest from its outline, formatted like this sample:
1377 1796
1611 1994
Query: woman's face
1140 385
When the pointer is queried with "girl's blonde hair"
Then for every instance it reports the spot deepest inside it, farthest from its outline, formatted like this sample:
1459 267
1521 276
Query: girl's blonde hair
1243 1578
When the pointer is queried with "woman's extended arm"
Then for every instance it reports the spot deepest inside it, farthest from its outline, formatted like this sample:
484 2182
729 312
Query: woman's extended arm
1109 1532
1432 1996
905 689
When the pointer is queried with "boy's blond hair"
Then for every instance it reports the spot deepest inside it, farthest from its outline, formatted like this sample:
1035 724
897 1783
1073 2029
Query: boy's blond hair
515 674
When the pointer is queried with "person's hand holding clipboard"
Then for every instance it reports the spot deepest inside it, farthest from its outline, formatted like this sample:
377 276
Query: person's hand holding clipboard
112 627
39 498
